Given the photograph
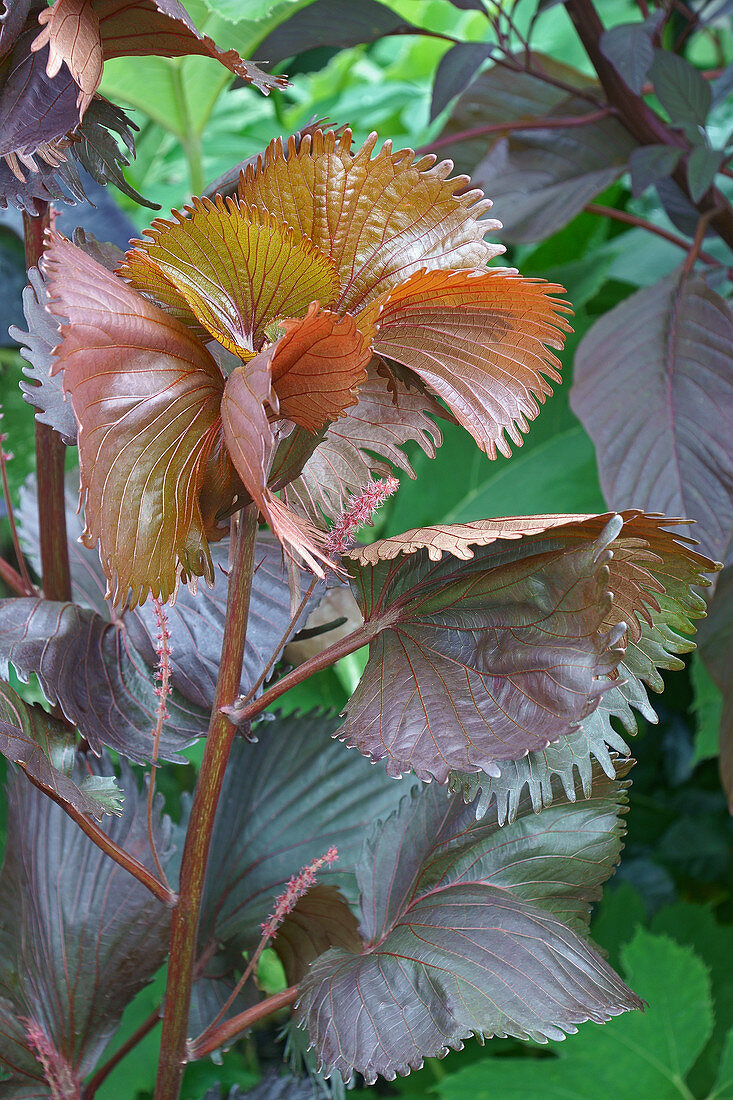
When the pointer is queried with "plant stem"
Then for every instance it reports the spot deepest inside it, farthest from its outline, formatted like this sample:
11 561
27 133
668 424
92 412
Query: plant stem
234 1027
90 1089
109 847
641 223
50 458
28 589
525 124
640 120
13 579
203 811
243 712
190 139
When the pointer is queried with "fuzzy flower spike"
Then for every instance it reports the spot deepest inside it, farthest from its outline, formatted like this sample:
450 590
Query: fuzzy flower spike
245 341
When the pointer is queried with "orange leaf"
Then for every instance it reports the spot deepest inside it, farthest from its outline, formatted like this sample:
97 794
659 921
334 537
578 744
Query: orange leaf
236 269
250 441
318 365
379 219
480 341
146 395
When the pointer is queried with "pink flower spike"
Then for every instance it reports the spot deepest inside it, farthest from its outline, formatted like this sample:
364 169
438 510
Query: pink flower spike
57 1071
360 512
163 668
297 887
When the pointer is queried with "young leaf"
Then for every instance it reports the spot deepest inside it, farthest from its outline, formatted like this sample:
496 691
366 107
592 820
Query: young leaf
480 341
680 88
702 167
539 179
669 344
40 745
285 801
651 163
80 935
145 436
463 934
236 269
378 218
640 1054
653 574
339 23
114 702
364 442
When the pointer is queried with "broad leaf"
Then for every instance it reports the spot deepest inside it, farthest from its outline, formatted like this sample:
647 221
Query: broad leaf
480 341
539 179
652 577
236 269
286 800
463 934
641 1054
80 935
669 346
339 23
364 442
320 920
702 168
496 638
114 702
489 653
45 750
379 218
146 394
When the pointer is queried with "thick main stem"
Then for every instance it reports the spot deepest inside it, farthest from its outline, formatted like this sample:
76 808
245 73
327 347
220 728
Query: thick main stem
50 458
201 824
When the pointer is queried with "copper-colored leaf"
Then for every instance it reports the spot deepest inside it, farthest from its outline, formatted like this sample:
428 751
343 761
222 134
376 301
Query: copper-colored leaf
455 608
364 442
484 659
320 920
236 269
71 32
164 27
318 365
146 395
480 341
250 440
380 219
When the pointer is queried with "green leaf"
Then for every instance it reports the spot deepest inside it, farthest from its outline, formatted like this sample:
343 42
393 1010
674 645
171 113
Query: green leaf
680 88
723 1089
707 706
462 923
637 1055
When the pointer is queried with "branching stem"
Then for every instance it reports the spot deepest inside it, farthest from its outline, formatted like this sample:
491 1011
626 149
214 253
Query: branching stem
234 1027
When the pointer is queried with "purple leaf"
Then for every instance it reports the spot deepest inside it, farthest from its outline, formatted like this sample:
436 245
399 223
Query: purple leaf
285 801
339 23
113 703
630 50
455 72
668 449
80 935
479 660
469 928
539 179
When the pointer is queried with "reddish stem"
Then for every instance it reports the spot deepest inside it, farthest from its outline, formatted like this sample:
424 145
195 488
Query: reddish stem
641 223
14 580
234 1027
90 1089
109 847
510 127
50 459
203 812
